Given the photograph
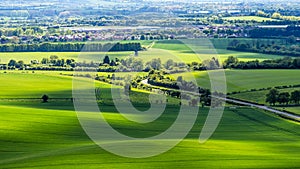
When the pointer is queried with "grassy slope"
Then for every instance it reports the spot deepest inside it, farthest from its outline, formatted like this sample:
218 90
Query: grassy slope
49 136
242 80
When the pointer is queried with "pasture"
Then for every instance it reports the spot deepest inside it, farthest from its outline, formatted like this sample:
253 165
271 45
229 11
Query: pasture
48 135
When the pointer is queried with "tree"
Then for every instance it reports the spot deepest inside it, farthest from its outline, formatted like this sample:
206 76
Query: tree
272 96
295 96
155 64
106 60
179 79
283 98
169 64
53 57
136 53
112 63
20 64
45 98
12 63
211 64
45 61
291 39
113 76
261 13
276 15
230 61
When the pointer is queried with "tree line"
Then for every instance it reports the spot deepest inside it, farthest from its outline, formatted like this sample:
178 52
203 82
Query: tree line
274 96
274 49
170 90
70 47
275 32
283 63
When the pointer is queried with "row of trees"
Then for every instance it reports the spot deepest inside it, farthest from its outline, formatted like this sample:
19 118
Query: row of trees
284 63
53 60
275 32
275 49
70 47
274 96
21 31
130 64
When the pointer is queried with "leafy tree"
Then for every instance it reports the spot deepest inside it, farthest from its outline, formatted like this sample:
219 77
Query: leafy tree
205 99
272 96
169 64
20 64
113 76
283 98
45 98
137 65
292 39
12 63
106 60
276 15
295 96
231 60
261 13
179 79
112 63
155 64
211 64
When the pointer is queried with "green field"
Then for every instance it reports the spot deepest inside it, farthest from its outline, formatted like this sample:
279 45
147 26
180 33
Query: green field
90 56
242 80
295 109
166 49
184 52
48 135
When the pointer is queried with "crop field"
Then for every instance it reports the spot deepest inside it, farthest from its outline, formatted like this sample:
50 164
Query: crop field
165 50
242 80
184 52
48 135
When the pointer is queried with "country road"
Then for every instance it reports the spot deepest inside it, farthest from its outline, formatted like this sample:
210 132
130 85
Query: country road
278 112
262 107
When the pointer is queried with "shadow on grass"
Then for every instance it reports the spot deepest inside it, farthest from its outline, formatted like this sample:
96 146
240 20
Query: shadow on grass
240 124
